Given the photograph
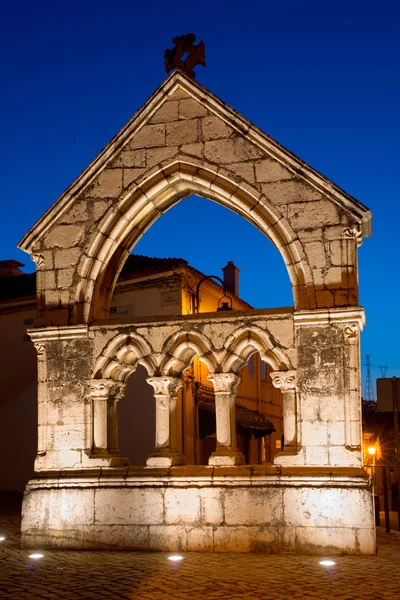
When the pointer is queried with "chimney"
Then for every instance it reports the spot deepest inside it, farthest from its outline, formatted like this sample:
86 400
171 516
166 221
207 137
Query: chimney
231 277
10 268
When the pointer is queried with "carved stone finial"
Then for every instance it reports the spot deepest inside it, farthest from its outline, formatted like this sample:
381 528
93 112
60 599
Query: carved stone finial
185 56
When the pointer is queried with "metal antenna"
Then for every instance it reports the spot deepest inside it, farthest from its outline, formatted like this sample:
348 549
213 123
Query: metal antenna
369 390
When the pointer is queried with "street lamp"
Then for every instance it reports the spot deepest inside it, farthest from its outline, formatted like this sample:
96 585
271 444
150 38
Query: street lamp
222 302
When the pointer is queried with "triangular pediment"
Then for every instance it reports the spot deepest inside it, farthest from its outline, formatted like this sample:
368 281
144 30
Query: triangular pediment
182 118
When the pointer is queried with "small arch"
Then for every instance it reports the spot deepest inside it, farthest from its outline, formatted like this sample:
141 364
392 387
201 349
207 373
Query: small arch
180 349
121 356
244 342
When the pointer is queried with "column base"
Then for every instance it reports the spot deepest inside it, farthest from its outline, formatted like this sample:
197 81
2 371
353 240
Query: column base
102 458
166 458
290 457
226 457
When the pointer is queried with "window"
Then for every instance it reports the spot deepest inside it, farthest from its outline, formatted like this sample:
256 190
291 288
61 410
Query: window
263 370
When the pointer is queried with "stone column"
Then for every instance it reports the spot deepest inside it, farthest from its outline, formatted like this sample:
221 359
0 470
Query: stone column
112 420
166 393
42 403
226 453
352 392
104 394
286 382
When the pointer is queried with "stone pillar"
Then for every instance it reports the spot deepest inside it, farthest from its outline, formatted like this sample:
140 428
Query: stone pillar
166 393
226 453
42 402
352 388
328 364
286 382
104 394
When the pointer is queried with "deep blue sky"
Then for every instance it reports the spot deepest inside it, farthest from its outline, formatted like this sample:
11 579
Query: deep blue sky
320 77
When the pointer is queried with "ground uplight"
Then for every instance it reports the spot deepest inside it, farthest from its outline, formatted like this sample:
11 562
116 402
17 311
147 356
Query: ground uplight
175 557
327 563
36 555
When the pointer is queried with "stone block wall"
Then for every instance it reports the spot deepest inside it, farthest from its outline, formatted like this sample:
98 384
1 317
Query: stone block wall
203 510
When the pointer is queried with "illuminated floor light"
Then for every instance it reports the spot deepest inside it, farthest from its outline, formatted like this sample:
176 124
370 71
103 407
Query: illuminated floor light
327 563
2 538
36 556
175 557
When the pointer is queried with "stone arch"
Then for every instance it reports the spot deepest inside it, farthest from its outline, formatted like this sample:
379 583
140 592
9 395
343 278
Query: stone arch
121 356
141 205
180 349
244 342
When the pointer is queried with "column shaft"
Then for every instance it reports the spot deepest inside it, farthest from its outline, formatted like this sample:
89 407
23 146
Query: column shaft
166 393
225 417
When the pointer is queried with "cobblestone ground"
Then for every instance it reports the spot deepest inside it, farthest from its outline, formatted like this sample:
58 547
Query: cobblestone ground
128 575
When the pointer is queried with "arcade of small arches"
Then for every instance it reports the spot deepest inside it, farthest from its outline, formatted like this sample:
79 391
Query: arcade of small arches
124 352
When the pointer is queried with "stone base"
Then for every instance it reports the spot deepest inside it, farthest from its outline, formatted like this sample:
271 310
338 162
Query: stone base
226 457
204 509
165 459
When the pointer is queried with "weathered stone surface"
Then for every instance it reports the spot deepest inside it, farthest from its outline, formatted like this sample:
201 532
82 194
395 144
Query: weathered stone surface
65 236
78 212
108 185
168 112
213 129
271 170
182 132
157 155
193 149
131 158
131 175
225 151
190 109
271 515
149 137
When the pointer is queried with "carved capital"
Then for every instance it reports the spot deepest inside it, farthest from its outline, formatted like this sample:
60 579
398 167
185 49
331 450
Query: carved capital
354 232
40 349
351 333
224 382
165 386
105 389
284 380
38 259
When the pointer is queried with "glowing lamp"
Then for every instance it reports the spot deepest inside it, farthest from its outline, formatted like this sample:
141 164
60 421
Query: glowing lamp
327 563
175 557
36 556
2 538
371 450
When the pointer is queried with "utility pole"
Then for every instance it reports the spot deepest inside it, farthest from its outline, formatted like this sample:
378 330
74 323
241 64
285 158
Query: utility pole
383 369
369 390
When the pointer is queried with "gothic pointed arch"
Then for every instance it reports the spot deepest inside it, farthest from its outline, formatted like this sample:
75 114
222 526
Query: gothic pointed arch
245 341
121 356
180 349
149 197
185 141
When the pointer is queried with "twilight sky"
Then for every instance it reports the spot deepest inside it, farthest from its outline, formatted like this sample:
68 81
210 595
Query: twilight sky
322 78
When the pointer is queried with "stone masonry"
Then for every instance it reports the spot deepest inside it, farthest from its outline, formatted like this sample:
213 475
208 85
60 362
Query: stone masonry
316 497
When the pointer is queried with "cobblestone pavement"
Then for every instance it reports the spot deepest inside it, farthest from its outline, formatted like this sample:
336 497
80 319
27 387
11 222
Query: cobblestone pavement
131 575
